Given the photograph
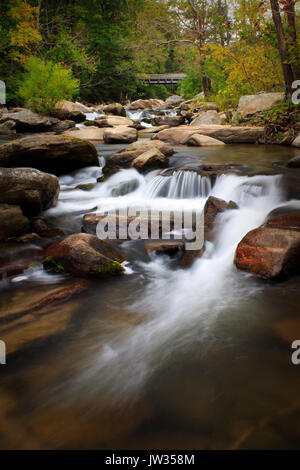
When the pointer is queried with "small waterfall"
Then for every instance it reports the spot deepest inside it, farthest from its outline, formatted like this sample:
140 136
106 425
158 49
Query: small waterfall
180 185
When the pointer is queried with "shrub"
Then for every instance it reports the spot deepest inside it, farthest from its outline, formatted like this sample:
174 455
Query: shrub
45 84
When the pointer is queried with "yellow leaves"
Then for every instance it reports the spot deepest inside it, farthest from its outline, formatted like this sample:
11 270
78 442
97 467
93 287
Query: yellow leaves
25 35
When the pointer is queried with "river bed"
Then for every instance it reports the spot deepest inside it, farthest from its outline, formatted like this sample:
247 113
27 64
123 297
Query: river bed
164 357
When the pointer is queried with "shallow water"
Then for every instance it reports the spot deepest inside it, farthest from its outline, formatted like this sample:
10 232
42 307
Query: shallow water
164 357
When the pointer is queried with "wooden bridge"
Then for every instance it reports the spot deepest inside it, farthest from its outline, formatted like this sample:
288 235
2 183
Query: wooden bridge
163 79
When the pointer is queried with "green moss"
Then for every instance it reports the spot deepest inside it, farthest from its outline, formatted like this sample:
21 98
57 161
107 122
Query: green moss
233 205
50 263
35 264
113 268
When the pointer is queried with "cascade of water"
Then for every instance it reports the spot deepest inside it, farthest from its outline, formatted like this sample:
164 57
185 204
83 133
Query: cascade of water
180 185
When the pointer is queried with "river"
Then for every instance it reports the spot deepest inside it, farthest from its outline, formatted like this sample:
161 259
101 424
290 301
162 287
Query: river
164 357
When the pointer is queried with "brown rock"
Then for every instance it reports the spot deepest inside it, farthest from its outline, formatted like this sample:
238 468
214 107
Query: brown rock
12 222
197 140
120 134
149 160
31 189
84 255
58 154
114 108
272 251
227 134
171 121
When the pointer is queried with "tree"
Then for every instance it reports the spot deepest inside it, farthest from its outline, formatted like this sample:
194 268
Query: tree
283 48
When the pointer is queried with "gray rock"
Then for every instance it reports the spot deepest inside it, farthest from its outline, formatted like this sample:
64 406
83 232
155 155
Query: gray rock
32 190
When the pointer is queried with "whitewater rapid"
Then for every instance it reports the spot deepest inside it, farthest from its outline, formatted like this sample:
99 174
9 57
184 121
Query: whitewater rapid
178 306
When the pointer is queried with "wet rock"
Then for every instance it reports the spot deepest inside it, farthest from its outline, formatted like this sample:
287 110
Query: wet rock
12 222
125 188
91 133
63 126
149 160
31 189
28 121
212 208
272 251
120 135
16 257
171 121
43 230
251 104
31 316
8 128
227 134
58 154
198 140
206 118
173 101
124 158
84 255
294 162
296 143
114 121
170 248
115 108
153 130
29 238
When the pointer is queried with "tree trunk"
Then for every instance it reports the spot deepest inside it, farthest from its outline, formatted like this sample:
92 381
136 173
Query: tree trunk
292 38
283 50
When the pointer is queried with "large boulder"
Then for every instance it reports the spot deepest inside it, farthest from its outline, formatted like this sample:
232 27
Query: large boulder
31 189
114 121
91 133
84 255
114 108
296 142
120 135
124 158
145 104
151 159
227 134
69 106
28 121
251 104
65 115
198 140
272 251
171 121
12 222
58 154
174 101
206 117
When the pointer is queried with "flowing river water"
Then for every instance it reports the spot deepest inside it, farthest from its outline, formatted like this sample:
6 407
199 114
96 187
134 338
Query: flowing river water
164 357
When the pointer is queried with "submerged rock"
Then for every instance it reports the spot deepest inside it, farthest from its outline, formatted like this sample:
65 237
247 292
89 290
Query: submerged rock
31 189
294 162
272 251
58 154
12 222
31 316
84 255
